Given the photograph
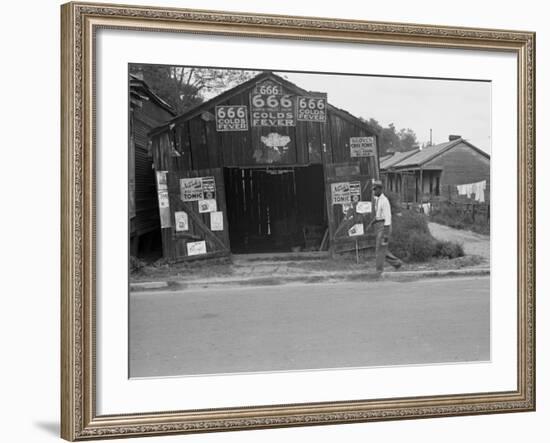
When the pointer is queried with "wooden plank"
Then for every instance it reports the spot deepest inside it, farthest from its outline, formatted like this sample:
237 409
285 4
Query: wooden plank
199 150
340 223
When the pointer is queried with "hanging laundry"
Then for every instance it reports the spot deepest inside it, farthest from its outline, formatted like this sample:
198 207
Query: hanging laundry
478 189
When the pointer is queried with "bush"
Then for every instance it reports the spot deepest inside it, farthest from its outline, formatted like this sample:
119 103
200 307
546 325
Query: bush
421 247
448 249
136 265
411 239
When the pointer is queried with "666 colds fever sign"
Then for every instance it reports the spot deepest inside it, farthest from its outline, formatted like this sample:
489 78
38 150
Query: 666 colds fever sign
312 109
270 105
231 118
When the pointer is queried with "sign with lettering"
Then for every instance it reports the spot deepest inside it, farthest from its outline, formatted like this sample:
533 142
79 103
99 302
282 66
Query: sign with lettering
197 188
231 118
340 193
163 198
355 230
216 221
207 206
362 146
191 189
208 188
182 221
355 191
271 106
196 248
311 109
363 207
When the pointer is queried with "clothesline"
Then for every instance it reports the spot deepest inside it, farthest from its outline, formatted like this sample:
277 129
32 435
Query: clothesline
478 189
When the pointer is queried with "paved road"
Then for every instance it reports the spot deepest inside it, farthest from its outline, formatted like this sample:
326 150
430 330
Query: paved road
309 326
474 243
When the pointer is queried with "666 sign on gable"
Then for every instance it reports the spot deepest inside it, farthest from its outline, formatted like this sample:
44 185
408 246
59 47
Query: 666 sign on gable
271 105
231 118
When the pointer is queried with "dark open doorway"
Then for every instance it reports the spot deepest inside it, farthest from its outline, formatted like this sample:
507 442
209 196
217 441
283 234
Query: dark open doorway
275 208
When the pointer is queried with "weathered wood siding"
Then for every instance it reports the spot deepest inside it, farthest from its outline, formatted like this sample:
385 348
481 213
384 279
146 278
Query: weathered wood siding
149 116
200 146
191 142
460 165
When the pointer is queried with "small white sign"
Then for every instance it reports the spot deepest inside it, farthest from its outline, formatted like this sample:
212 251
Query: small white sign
207 206
196 248
363 207
162 181
346 207
355 191
356 230
216 221
182 222
164 201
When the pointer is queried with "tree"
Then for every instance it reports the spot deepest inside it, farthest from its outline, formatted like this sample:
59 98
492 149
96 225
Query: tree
390 139
184 88
408 140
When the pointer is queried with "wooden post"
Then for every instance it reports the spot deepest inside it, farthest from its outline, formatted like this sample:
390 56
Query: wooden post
421 193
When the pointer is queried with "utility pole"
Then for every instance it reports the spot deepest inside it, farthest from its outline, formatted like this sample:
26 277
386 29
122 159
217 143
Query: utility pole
431 143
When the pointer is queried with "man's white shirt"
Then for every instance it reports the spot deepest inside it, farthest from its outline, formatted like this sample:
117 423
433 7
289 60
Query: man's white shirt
383 209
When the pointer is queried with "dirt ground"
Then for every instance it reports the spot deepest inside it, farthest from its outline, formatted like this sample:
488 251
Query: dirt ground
276 267
473 243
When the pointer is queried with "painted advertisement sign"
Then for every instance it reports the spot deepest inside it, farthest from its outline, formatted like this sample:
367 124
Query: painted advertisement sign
362 147
231 118
311 109
340 193
197 188
270 105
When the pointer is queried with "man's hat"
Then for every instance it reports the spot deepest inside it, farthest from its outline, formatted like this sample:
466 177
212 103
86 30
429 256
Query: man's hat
377 184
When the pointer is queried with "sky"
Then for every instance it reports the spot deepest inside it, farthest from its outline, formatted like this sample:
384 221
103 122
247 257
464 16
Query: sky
461 107
458 107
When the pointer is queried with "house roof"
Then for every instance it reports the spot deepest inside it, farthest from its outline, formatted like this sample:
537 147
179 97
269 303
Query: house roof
427 154
390 160
140 90
199 109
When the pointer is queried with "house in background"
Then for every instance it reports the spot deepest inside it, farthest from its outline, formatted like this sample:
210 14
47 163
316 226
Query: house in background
147 111
393 182
436 171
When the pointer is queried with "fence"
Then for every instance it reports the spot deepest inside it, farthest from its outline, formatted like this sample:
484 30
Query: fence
472 212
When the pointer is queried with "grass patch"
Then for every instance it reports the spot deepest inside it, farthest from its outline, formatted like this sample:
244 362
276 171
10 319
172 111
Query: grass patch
455 217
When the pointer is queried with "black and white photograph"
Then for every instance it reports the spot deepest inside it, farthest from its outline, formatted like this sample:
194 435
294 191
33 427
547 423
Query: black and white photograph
284 221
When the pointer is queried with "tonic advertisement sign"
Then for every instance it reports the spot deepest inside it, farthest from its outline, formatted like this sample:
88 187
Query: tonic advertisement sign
197 188
340 193
191 189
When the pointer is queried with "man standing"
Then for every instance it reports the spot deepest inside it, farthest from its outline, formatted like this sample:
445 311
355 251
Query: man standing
382 229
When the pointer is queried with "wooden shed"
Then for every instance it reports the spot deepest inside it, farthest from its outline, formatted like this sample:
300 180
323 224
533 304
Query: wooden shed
436 171
147 111
264 167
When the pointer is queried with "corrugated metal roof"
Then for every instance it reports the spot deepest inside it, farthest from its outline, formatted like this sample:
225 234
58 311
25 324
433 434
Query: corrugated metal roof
426 154
140 90
388 161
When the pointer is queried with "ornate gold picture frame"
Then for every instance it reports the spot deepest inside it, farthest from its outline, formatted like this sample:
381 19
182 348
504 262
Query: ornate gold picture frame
80 22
